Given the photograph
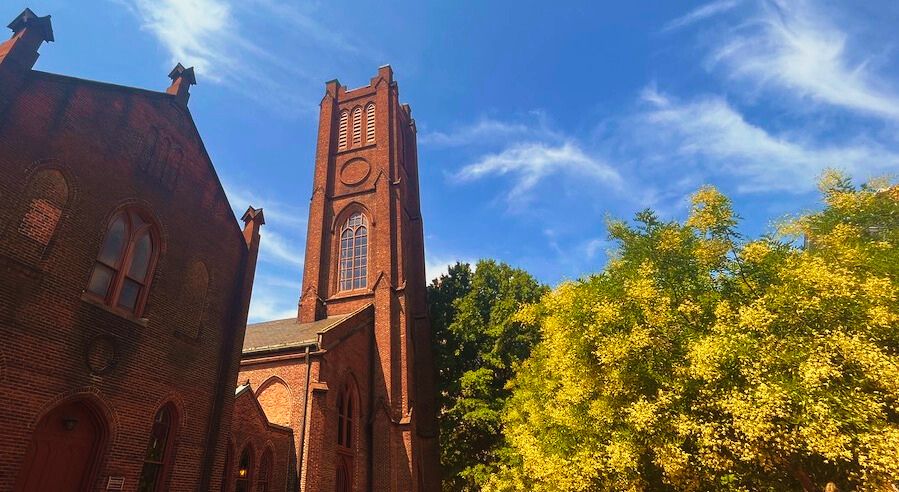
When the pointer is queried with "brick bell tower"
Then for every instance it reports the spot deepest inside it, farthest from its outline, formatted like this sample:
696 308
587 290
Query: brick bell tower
365 245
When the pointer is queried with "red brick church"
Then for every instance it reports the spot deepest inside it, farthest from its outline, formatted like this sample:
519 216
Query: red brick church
126 362
352 375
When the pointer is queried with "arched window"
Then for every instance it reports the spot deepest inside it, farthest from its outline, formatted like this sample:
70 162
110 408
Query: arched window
265 472
354 253
341 134
370 123
343 477
244 475
357 126
124 267
346 433
157 461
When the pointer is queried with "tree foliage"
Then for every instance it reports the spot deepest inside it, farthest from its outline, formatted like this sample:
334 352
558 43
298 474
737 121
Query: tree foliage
700 361
479 346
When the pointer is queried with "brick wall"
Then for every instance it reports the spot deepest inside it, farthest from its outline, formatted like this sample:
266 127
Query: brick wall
251 429
94 141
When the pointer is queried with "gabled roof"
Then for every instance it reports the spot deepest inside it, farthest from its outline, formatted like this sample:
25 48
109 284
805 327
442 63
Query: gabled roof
285 334
100 87
246 388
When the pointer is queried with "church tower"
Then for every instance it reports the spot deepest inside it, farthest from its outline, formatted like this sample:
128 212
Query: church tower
365 247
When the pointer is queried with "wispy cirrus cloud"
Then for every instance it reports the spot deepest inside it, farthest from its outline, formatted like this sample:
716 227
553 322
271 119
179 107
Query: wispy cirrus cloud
701 13
195 32
275 248
529 163
796 47
489 130
217 38
709 135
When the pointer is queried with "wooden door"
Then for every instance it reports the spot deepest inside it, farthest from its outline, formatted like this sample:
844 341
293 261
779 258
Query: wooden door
64 451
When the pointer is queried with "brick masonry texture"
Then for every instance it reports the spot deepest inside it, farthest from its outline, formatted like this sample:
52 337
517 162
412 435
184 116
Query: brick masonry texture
253 431
73 153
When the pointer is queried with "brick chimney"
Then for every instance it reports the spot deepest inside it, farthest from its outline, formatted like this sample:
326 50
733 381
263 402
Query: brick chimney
28 32
182 79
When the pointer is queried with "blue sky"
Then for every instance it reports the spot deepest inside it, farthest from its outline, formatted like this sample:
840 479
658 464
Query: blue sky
537 120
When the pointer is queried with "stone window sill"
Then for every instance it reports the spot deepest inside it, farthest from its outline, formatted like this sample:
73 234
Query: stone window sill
89 299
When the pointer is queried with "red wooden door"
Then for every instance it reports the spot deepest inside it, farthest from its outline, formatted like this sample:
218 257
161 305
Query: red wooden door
63 451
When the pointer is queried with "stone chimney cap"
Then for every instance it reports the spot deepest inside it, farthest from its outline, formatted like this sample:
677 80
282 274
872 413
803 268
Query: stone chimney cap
29 19
186 73
253 214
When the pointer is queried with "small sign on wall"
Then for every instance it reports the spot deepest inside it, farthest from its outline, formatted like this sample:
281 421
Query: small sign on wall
115 483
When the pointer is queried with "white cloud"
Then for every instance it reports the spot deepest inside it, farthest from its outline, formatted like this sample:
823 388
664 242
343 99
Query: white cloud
437 265
701 13
220 38
711 133
485 130
274 248
195 32
594 246
532 162
266 308
793 45
277 213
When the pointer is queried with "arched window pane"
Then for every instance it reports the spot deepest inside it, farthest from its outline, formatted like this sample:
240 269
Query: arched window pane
158 449
111 252
265 472
140 257
122 271
353 273
100 280
244 469
128 295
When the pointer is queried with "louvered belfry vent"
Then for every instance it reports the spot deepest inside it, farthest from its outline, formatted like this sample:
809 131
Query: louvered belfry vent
370 123
357 126
341 134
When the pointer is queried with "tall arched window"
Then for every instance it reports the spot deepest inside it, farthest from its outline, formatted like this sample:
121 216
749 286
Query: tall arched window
265 472
157 461
346 433
244 476
124 267
341 134
370 123
354 253
357 126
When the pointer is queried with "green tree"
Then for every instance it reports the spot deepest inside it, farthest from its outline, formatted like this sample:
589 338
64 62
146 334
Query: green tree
698 361
478 347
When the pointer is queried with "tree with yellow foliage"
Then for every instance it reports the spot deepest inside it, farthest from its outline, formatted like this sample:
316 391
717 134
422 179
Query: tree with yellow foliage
699 361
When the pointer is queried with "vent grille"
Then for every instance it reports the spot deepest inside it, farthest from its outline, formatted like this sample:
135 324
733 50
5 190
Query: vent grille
357 126
341 134
370 123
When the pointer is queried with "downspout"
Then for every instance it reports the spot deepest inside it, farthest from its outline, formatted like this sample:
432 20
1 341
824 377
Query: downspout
305 407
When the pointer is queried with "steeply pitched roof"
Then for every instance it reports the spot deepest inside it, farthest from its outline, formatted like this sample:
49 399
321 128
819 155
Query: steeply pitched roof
286 333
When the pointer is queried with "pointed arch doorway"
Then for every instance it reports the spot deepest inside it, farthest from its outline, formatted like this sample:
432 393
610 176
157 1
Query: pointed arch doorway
65 450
